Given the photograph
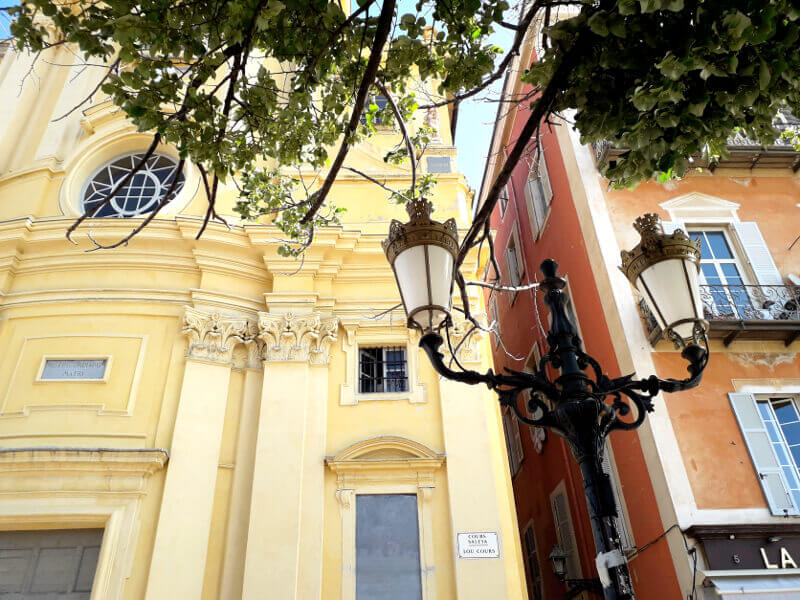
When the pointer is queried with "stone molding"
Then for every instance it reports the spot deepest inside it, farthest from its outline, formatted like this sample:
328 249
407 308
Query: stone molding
62 488
297 338
465 340
68 470
212 337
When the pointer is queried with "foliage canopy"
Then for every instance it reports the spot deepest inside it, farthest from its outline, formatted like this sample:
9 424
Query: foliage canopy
252 89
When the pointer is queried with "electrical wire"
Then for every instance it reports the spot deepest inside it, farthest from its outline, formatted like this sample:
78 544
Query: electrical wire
691 551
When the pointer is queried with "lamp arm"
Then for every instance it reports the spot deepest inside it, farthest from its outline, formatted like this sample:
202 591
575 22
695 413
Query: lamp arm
642 391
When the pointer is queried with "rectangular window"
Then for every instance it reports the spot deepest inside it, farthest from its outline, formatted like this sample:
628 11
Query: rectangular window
532 563
503 200
494 316
781 418
538 194
514 262
387 547
56 563
382 369
439 164
770 430
722 277
564 531
513 441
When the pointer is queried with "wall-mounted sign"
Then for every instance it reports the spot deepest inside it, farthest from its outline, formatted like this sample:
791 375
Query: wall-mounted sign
480 544
73 369
753 553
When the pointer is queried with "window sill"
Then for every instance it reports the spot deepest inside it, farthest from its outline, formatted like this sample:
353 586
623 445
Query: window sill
368 397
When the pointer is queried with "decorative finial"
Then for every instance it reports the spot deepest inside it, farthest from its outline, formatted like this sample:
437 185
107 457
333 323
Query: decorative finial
648 224
419 210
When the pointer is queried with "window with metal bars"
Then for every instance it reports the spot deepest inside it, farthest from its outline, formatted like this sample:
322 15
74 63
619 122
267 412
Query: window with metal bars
382 369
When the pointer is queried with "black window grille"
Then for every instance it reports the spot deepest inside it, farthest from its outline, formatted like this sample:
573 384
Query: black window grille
382 370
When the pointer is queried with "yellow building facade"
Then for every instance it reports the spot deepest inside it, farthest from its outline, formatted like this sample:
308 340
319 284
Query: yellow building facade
185 418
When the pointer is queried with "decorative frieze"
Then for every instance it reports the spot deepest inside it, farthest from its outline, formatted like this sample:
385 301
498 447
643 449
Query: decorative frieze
290 337
212 337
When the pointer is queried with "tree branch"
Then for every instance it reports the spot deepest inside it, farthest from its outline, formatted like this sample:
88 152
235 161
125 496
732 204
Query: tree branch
375 56
401 124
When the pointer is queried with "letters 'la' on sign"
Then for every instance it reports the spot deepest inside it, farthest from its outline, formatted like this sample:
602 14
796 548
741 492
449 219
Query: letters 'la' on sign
479 544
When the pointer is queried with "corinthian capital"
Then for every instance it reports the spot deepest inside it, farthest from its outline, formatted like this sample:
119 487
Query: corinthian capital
297 337
212 337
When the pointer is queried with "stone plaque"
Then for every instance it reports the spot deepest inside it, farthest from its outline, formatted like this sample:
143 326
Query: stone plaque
74 369
480 544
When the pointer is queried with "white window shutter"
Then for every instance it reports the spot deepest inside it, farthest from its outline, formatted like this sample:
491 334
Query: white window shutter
758 253
765 462
564 533
518 252
544 176
530 205
625 538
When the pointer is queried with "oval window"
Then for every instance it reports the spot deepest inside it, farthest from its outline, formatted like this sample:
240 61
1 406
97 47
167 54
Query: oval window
141 194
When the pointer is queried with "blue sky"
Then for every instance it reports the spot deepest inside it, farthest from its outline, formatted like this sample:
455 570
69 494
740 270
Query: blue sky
475 120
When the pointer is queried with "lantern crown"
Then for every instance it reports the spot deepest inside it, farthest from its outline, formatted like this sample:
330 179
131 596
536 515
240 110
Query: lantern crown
656 246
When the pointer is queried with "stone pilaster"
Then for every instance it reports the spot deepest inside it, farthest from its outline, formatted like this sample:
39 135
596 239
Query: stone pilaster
287 503
181 543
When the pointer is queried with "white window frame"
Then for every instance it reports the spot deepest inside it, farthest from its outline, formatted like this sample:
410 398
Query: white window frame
383 374
533 199
408 468
765 462
736 251
371 335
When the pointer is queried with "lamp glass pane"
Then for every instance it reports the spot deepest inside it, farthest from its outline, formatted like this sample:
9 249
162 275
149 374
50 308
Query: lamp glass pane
409 267
412 269
441 266
668 295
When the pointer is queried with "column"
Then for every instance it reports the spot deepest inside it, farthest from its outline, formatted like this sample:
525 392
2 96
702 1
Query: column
181 543
287 502
478 482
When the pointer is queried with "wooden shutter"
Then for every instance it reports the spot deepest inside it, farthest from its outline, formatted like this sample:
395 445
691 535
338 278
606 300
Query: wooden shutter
520 453
518 253
544 176
758 253
765 462
530 205
564 533
625 538
513 441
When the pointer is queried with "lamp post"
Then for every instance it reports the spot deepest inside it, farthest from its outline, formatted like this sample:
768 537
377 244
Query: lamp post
585 405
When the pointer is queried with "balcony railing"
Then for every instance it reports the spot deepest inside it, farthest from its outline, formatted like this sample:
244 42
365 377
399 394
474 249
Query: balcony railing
743 152
762 312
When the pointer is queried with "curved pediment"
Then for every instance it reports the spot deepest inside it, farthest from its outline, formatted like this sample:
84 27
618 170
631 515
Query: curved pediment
385 450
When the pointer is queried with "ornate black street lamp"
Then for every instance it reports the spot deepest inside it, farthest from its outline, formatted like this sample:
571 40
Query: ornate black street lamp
582 404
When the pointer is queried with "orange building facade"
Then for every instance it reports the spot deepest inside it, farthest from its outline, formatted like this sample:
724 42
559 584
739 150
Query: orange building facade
708 487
